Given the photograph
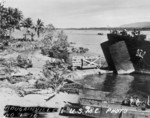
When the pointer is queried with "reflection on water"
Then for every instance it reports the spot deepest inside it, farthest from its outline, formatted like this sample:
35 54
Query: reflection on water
93 81
140 86
120 85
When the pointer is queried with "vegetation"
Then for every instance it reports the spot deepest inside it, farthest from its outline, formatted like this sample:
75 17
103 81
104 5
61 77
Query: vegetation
48 34
60 47
55 42
13 18
10 19
39 27
56 45
27 23
53 73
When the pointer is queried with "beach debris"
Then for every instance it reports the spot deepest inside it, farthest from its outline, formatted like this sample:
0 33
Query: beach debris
6 67
23 62
79 50
52 96
18 77
42 84
70 90
52 78
1 46
20 46
45 51
73 87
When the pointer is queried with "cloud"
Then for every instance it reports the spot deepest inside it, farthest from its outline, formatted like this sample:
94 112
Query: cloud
72 13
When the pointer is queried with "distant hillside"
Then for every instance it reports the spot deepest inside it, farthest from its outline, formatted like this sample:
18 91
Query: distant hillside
137 25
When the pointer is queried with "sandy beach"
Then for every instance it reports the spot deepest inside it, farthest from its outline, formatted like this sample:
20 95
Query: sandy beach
11 94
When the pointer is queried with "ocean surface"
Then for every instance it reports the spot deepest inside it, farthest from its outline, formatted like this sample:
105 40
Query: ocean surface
119 85
88 39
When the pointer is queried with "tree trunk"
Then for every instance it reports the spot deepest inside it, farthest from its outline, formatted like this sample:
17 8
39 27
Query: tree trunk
38 33
10 33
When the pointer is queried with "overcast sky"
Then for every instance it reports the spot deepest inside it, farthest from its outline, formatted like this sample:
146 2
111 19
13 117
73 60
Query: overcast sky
84 13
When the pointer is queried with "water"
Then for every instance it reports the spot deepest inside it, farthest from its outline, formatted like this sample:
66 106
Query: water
118 85
88 39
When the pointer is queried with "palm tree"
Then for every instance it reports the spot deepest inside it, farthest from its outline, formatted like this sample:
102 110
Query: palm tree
39 26
18 17
10 13
2 15
27 23
10 20
3 22
13 18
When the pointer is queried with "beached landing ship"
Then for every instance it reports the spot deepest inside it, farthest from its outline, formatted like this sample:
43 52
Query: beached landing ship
126 53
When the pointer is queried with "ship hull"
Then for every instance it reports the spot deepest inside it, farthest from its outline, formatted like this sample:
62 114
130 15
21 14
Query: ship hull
133 51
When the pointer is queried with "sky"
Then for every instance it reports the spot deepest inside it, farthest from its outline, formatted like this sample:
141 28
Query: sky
84 13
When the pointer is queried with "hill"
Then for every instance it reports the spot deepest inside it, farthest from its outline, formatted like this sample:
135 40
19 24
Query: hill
137 25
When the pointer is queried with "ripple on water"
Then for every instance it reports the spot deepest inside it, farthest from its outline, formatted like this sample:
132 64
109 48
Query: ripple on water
120 85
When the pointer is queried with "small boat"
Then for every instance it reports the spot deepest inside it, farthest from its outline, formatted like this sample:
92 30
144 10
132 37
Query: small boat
99 33
72 43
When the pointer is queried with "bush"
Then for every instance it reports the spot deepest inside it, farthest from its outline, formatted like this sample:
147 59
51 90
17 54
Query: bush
52 75
56 48
49 83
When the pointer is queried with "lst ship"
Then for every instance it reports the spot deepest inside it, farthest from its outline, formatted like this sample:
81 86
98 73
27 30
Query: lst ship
127 53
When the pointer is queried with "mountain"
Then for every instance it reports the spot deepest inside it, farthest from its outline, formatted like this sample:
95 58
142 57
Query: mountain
137 25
